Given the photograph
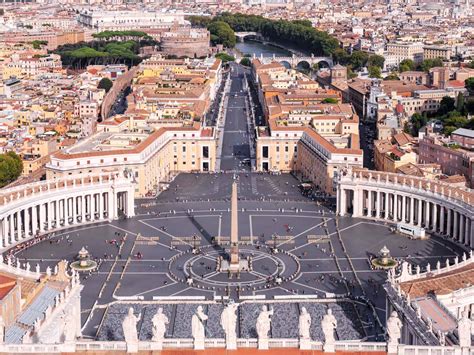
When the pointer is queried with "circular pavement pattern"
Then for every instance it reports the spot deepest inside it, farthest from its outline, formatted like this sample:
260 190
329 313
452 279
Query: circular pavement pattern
268 269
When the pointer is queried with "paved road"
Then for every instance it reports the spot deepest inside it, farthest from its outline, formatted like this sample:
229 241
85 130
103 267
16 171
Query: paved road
236 142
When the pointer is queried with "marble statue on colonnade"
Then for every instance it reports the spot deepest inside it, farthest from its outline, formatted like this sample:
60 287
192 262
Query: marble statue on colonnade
464 330
329 324
159 320
2 330
229 323
263 327
198 330
394 332
304 329
129 326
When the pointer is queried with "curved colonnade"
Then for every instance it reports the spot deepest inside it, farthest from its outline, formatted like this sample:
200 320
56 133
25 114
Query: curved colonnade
435 206
29 210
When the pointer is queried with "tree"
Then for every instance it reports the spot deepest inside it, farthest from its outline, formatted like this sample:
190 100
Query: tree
427 64
470 85
470 106
37 44
340 56
376 61
375 72
392 76
106 84
359 59
11 167
315 67
416 122
224 57
245 61
446 105
329 100
460 103
471 64
222 33
407 65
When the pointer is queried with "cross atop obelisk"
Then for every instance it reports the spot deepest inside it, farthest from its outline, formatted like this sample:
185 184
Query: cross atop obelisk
234 230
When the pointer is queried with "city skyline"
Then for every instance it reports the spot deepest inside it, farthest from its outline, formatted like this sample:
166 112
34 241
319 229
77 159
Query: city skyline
242 175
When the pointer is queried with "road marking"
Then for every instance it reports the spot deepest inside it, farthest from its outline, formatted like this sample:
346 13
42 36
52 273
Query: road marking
156 288
165 233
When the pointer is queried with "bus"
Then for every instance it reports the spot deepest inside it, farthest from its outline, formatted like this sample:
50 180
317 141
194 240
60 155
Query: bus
412 231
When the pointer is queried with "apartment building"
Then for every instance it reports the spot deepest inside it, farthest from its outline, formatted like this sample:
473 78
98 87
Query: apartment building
308 130
454 154
402 50
434 52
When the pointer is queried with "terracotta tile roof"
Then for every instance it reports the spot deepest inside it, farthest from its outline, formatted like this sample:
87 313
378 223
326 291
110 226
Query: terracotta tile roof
402 138
440 284
6 285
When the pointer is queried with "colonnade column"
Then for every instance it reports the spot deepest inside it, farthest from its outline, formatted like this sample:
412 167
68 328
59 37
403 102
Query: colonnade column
19 232
467 232
74 209
378 205
112 209
427 214
418 220
387 196
455 225
448 229
27 222
92 207
461 228
441 219
34 220
435 217
12 227
404 208
101 205
412 210
130 206
369 203
5 242
83 208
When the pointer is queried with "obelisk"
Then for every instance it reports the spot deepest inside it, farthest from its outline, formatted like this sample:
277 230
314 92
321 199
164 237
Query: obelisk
234 231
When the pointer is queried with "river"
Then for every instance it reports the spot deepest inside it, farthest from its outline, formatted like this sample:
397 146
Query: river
258 48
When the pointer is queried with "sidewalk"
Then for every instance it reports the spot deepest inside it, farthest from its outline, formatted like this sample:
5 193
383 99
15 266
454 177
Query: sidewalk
221 123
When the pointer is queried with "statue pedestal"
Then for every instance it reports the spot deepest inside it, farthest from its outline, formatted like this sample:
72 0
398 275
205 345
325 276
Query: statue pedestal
132 347
329 348
198 343
305 344
157 344
231 343
392 348
262 343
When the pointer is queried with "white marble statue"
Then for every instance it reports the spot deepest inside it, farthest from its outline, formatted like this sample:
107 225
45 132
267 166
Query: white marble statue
304 324
464 330
159 320
2 330
197 323
263 322
394 328
228 323
129 326
329 324
69 328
